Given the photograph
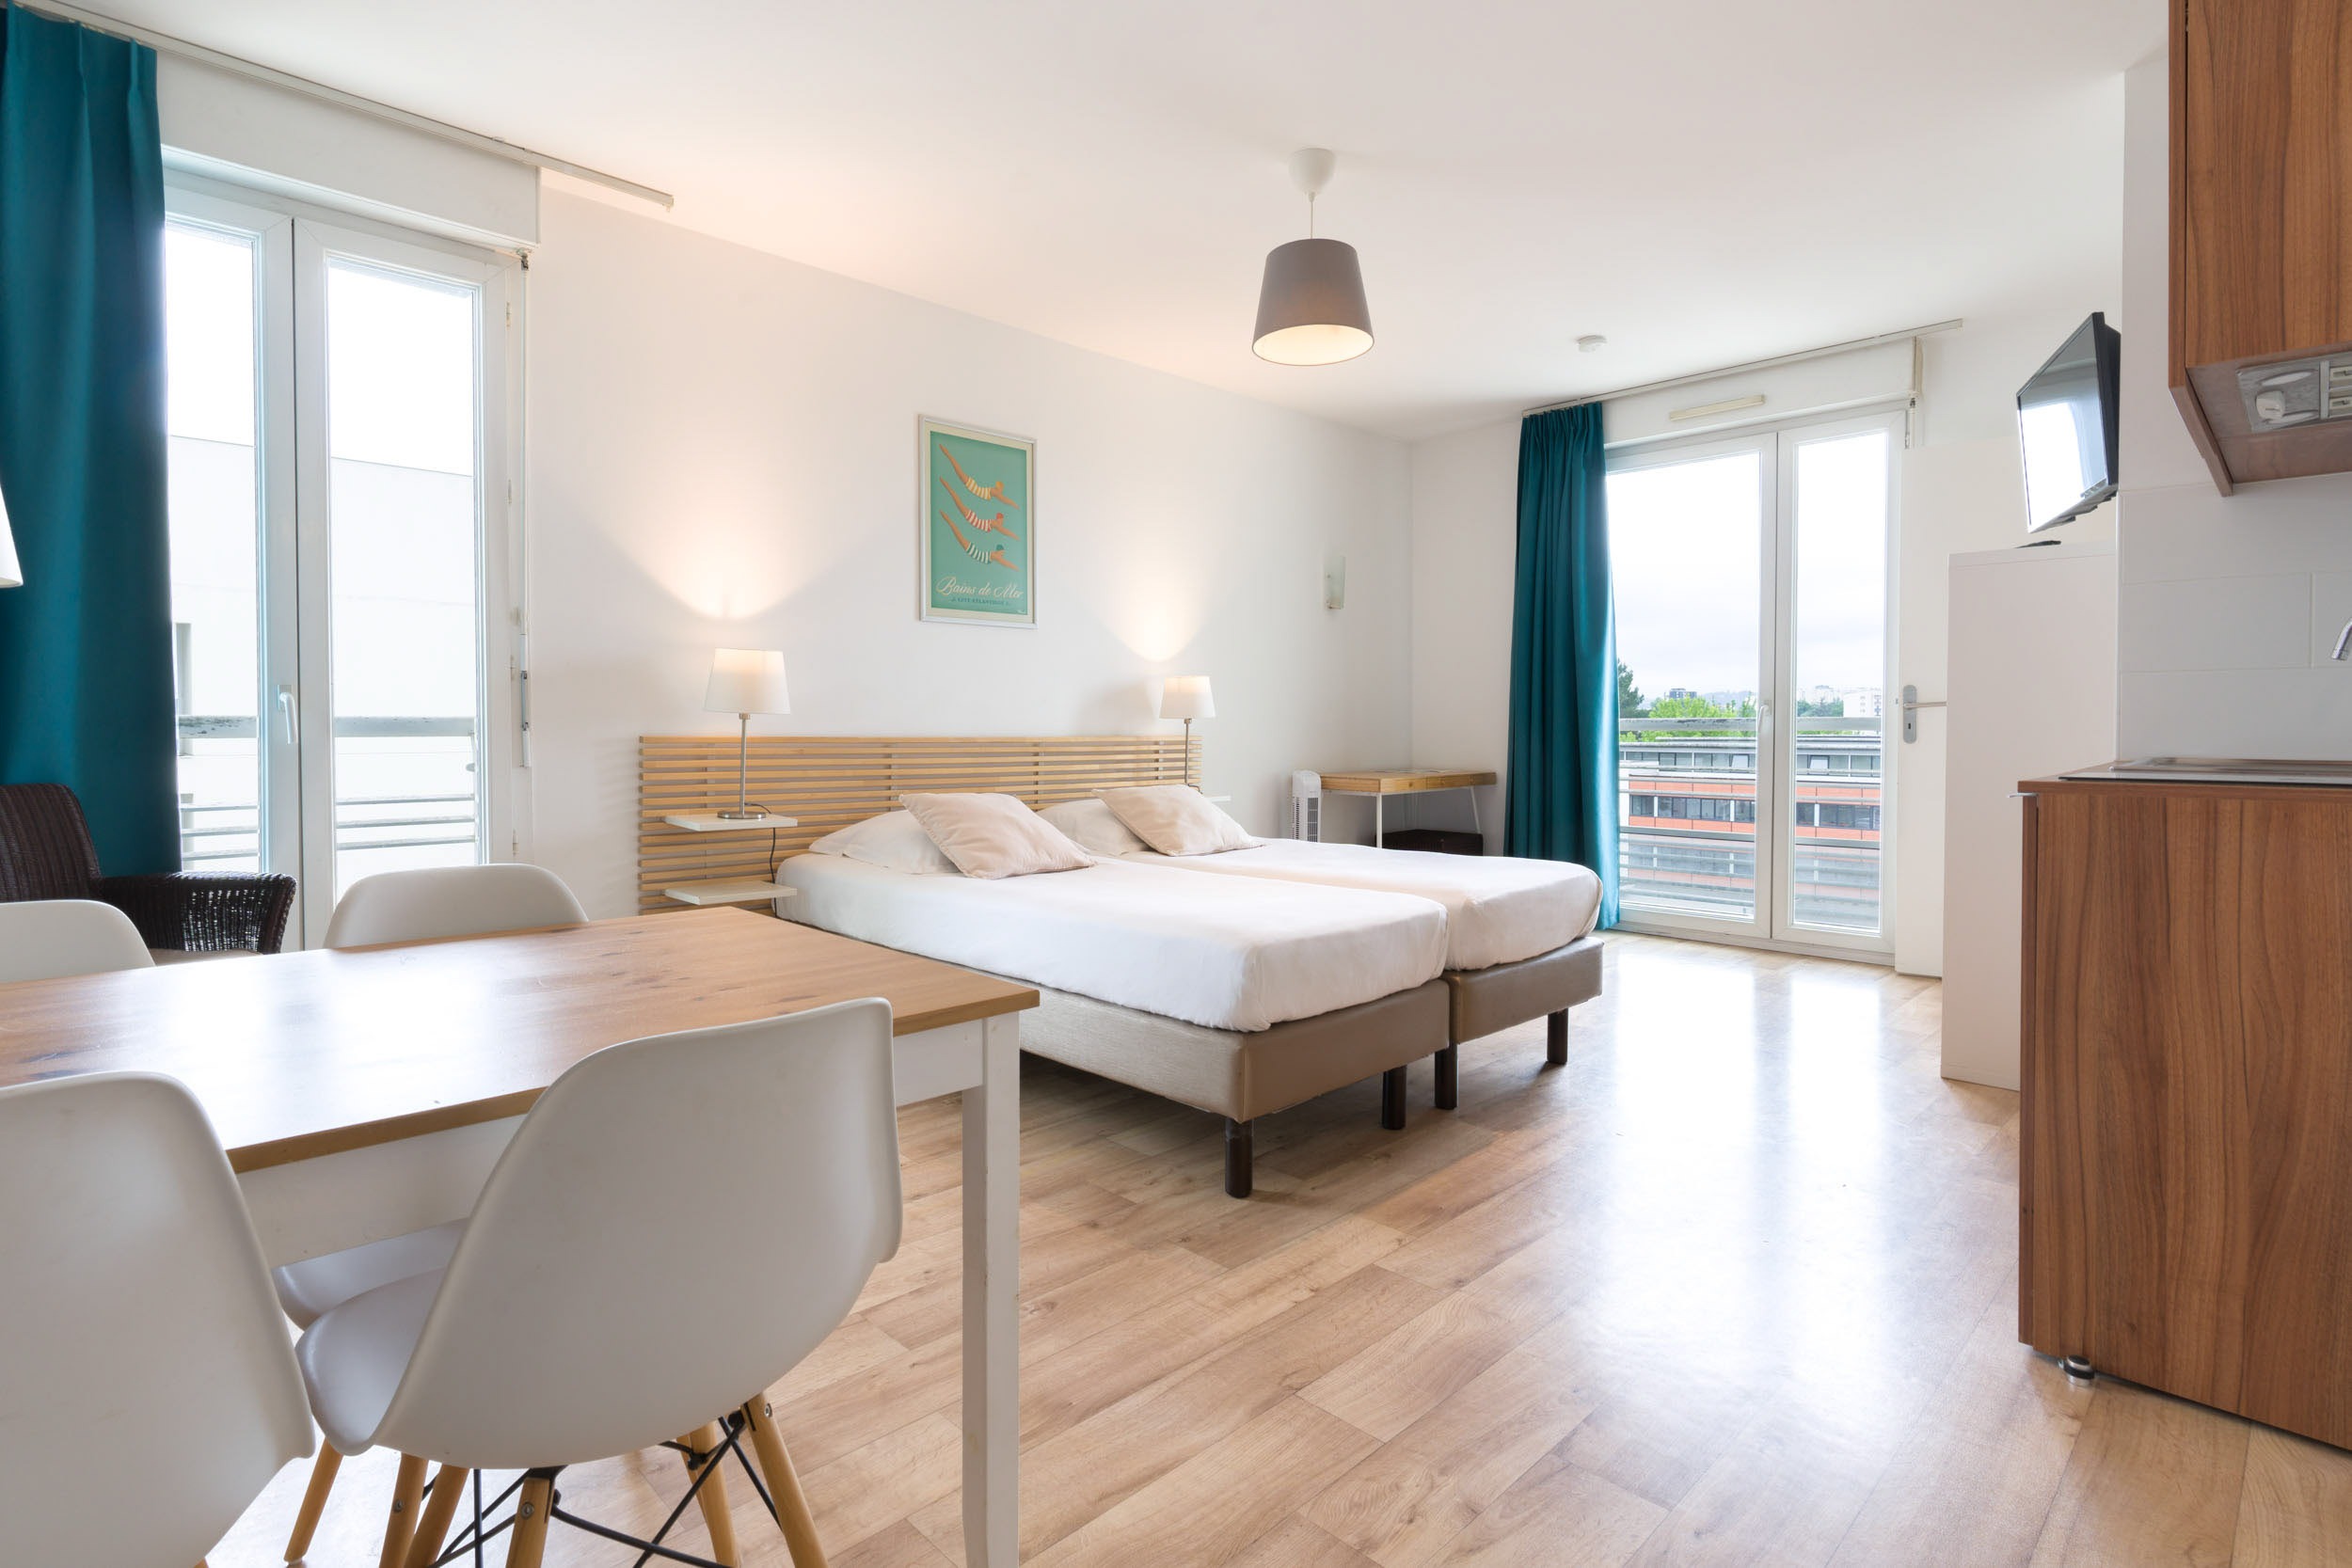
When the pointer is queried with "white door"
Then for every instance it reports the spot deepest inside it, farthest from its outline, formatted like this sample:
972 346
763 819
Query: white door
342 586
1751 583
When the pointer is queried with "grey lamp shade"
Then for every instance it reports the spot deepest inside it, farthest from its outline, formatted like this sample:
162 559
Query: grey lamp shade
1310 309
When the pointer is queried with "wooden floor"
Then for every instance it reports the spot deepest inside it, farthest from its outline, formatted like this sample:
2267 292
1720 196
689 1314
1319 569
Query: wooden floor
1737 1286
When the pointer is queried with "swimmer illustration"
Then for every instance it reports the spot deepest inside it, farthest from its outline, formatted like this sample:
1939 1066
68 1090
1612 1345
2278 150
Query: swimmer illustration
973 520
996 556
987 493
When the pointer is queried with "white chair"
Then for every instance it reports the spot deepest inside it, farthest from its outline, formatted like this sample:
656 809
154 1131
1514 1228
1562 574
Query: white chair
450 901
678 1221
147 1389
409 906
49 937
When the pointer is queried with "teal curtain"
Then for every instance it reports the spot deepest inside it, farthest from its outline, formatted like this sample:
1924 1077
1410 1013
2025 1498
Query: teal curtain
86 696
1561 800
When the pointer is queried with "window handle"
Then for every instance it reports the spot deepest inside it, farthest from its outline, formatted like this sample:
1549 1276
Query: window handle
287 716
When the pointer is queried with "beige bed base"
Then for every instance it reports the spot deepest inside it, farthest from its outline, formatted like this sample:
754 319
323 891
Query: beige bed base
1482 1001
1243 1076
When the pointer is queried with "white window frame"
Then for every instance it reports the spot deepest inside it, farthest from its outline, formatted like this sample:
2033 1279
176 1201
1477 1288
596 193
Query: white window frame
294 241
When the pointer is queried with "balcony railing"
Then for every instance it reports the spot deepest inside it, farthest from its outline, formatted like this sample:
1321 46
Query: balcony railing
1687 800
215 833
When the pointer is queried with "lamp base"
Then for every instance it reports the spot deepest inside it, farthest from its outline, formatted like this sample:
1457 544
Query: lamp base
741 815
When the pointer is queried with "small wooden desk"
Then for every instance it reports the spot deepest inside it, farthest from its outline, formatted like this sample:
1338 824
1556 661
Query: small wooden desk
1381 783
365 1094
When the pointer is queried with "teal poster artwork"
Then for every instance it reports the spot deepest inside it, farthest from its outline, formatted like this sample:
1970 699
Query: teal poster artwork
978 526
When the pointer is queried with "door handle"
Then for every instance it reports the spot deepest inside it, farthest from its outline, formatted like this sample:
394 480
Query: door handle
1912 704
288 717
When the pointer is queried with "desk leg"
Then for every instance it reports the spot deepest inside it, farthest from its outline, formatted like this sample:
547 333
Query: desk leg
1379 839
992 1301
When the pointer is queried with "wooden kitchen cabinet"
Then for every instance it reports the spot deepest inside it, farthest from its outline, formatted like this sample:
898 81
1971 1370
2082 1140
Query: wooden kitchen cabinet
2185 1178
2261 233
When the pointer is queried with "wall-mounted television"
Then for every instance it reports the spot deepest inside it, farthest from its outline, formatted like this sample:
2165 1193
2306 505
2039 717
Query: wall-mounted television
2067 424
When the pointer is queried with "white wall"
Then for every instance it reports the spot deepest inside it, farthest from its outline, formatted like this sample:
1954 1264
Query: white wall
722 451
2229 604
1465 542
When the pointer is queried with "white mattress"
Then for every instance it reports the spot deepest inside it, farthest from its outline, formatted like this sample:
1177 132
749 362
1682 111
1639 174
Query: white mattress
1499 908
1208 950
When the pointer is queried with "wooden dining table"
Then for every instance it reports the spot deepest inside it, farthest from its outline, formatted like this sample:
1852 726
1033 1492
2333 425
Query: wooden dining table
366 1093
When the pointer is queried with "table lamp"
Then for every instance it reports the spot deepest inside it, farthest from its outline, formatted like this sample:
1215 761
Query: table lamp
1188 697
11 574
744 681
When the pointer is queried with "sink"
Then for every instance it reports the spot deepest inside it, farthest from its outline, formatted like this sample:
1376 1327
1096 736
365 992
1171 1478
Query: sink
2291 770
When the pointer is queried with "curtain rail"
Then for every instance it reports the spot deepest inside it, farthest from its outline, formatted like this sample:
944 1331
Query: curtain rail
165 44
1878 340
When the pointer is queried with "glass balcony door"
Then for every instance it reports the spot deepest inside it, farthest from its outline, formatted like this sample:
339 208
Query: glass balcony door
1837 504
1691 555
338 411
1750 581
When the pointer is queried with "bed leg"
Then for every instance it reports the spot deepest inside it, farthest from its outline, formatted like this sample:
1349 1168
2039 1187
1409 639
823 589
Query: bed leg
1393 1099
1239 1161
1449 1067
1556 1037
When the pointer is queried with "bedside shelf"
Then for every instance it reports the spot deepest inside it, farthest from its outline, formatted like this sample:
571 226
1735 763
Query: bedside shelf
711 822
744 891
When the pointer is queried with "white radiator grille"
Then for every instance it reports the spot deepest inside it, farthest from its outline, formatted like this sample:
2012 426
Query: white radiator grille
1306 805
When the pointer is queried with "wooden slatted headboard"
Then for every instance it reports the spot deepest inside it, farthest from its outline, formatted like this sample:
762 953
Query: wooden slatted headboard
829 782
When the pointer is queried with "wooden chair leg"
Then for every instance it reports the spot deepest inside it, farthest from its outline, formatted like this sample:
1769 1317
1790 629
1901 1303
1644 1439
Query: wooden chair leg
313 1501
783 1485
407 1491
716 1517
531 1522
449 1487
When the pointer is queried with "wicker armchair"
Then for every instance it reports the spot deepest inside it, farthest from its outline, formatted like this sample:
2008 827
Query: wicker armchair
46 853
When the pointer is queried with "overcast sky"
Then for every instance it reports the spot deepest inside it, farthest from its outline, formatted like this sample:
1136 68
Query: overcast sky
1686 546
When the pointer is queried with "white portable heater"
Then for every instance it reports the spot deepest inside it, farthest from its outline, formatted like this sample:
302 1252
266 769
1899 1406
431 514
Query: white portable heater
1306 805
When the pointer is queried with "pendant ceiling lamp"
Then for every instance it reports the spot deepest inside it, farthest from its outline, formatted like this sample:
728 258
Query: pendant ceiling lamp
1310 309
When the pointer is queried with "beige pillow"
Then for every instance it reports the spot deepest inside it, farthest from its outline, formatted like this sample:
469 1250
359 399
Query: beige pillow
994 835
1092 828
1177 820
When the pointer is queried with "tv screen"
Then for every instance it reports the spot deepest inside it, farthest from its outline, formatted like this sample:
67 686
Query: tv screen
2066 421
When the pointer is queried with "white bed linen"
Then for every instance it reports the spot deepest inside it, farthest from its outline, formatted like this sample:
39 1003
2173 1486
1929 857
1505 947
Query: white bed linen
1499 908
1204 949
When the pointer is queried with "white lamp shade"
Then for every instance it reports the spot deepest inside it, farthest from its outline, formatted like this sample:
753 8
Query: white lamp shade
1186 697
746 680
11 574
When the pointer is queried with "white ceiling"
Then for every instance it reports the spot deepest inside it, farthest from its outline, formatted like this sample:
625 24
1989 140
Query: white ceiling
1703 182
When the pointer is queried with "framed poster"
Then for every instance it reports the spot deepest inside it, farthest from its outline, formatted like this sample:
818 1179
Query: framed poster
977 521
